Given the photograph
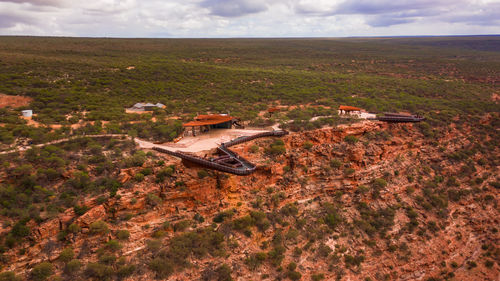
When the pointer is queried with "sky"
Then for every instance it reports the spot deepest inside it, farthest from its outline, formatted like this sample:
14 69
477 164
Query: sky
248 18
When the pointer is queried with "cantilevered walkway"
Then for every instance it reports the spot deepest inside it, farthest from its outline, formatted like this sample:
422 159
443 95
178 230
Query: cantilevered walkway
229 161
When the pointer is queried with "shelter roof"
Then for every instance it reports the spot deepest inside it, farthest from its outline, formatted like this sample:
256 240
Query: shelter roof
349 108
213 119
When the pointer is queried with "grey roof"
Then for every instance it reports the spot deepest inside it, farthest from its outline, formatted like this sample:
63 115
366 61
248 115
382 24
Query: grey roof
142 105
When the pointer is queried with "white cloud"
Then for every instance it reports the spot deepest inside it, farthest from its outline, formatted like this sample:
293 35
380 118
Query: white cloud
248 18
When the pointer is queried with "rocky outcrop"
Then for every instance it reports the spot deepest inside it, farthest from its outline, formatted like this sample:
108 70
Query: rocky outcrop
92 215
48 229
306 176
333 135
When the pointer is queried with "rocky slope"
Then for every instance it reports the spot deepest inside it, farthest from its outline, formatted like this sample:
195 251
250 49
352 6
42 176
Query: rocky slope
367 201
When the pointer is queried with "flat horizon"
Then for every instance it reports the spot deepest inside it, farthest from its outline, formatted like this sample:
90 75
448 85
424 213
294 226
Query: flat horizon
290 37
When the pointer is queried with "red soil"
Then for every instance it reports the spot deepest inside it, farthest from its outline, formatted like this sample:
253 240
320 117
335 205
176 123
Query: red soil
13 101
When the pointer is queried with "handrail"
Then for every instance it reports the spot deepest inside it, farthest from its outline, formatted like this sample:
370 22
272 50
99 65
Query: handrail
400 119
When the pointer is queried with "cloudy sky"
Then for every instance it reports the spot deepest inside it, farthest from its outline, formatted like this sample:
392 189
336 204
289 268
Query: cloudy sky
248 18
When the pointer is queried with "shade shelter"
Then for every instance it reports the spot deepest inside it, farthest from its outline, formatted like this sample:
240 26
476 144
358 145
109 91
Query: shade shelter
204 123
346 109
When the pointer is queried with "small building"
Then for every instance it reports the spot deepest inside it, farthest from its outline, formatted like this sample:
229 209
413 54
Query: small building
145 106
27 113
204 123
355 111
351 110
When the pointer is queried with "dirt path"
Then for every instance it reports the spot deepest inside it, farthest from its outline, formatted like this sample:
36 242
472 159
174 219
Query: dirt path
203 142
23 148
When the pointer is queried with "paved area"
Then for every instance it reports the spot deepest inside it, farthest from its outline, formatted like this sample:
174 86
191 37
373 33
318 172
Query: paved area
202 142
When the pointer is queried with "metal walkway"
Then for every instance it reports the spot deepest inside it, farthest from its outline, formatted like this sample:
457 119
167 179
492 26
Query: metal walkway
398 118
230 161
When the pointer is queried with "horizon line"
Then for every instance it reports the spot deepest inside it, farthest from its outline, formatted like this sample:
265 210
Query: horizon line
251 37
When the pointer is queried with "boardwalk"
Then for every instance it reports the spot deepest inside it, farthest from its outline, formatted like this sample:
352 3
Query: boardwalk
229 162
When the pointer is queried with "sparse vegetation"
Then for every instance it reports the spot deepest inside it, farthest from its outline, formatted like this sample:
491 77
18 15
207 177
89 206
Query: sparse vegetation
328 210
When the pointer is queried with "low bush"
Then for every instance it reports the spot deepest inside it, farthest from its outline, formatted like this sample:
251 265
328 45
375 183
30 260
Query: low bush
294 275
202 174
277 148
74 228
254 148
307 145
138 177
182 225
153 200
9 276
72 267
125 271
255 260
317 277
351 139
353 260
163 267
99 227
113 245
335 163
220 217
42 271
66 255
123 234
99 271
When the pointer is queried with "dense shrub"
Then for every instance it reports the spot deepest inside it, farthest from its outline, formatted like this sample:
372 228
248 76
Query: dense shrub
294 275
335 163
379 183
153 200
74 228
332 217
255 260
9 276
164 173
374 220
163 267
42 271
123 234
182 225
99 271
66 255
202 174
220 217
20 229
99 227
80 210
277 148
125 271
138 177
353 260
113 245
195 244
73 267
317 277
